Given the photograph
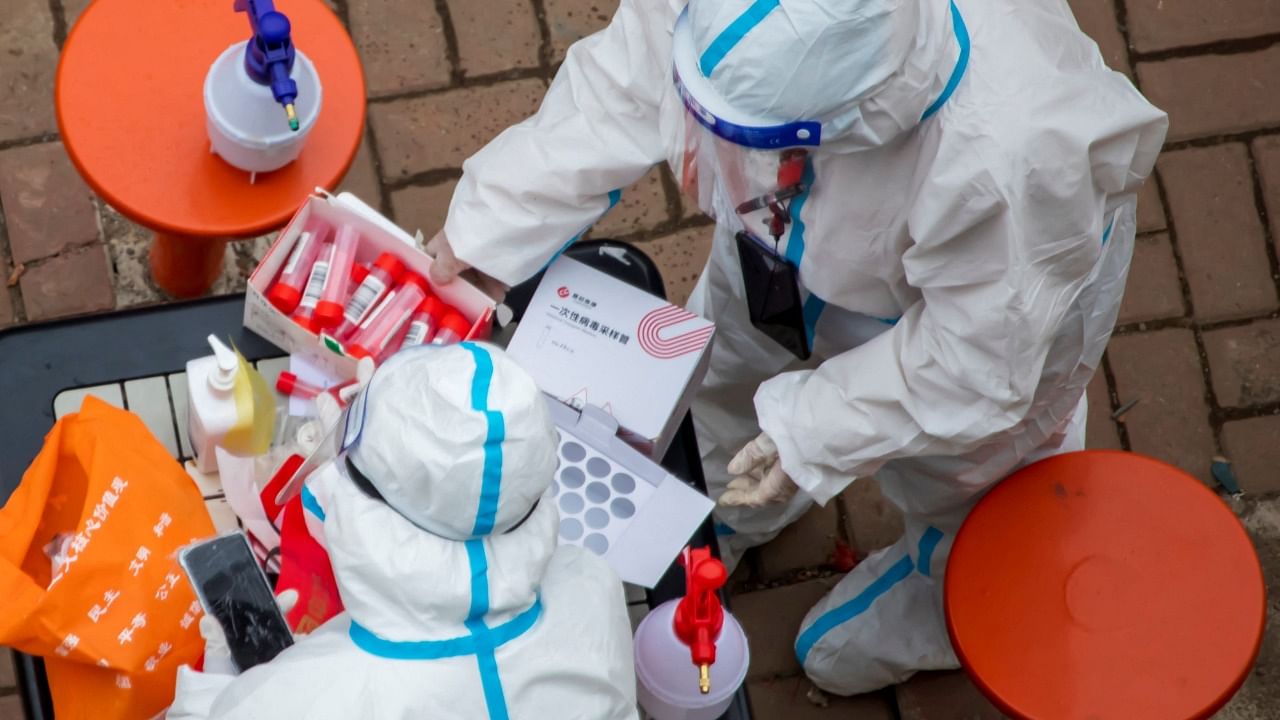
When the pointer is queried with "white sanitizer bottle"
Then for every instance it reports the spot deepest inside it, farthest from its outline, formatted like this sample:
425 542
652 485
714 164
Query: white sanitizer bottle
211 402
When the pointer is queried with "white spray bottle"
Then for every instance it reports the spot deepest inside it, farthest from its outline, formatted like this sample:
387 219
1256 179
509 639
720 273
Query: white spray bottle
691 655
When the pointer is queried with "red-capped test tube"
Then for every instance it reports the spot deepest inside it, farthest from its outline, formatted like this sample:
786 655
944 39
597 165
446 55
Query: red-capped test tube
453 328
333 299
425 321
304 314
289 384
286 293
374 334
386 272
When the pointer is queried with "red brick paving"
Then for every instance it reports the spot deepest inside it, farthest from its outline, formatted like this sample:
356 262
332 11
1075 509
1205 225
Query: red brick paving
1266 153
1251 445
943 695
1207 95
494 35
26 70
786 698
1165 24
1219 232
1244 362
771 619
47 207
75 282
1213 65
441 130
402 44
1153 291
806 543
423 208
1161 370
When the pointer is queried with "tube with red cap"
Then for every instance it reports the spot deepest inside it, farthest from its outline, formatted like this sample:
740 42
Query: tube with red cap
290 384
453 328
386 272
286 292
375 333
699 615
333 299
303 316
425 322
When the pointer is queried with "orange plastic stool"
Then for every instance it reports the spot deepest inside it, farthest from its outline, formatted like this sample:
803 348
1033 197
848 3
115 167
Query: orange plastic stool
130 106
1104 584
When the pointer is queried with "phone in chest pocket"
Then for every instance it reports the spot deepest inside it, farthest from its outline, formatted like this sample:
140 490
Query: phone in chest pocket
773 295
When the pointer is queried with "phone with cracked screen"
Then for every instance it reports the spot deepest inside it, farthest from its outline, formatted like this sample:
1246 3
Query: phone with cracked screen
773 295
233 589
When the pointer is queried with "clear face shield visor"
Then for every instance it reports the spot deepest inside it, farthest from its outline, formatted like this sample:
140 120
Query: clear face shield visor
731 161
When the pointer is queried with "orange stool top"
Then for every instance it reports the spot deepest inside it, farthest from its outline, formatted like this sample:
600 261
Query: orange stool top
1104 584
135 126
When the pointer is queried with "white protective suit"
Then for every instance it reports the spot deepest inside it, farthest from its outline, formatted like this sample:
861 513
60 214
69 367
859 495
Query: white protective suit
963 246
467 611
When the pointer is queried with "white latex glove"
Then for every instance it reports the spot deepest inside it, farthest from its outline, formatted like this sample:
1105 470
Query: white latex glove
447 266
217 656
760 479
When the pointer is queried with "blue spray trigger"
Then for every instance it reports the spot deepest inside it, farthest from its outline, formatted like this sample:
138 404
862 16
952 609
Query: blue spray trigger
269 57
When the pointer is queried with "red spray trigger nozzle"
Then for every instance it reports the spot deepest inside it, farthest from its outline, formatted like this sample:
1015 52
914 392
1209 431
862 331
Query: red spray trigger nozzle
699 614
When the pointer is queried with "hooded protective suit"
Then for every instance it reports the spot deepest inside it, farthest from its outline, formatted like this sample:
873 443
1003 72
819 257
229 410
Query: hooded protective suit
458 602
962 242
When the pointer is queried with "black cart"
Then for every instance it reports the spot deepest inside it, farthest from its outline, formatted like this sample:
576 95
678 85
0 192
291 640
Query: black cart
43 360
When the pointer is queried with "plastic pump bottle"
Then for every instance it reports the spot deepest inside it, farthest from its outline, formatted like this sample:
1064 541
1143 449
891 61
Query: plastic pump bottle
211 403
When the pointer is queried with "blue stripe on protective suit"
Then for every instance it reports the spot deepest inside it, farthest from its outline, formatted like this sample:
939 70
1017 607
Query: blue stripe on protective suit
813 305
436 649
928 543
494 700
491 477
861 602
962 63
311 504
614 197
733 34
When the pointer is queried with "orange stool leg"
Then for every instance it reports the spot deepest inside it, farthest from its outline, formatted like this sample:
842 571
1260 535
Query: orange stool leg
186 267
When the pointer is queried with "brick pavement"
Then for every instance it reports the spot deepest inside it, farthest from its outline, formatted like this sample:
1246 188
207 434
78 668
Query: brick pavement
1195 345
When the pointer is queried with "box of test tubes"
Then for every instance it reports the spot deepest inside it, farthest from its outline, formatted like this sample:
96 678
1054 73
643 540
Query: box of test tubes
589 338
617 503
342 282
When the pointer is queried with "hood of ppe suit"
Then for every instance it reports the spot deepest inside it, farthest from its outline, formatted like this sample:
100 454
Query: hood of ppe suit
405 584
457 439
868 70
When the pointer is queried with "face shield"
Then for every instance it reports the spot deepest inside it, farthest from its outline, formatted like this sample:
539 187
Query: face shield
741 169
331 439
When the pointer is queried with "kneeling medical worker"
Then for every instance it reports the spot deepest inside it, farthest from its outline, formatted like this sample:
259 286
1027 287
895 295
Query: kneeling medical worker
925 213
459 604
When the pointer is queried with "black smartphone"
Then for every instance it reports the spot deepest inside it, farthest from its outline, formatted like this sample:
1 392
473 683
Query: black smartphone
773 295
234 590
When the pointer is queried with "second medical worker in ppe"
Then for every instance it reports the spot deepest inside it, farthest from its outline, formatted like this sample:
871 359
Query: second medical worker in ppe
936 205
458 602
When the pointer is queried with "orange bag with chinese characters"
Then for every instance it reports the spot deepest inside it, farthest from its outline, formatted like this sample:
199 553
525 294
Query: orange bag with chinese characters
117 617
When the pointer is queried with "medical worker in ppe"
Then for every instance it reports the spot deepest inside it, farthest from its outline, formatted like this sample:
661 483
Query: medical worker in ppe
924 220
459 604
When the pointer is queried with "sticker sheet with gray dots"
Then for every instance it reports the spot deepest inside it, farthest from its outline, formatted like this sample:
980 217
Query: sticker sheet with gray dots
597 498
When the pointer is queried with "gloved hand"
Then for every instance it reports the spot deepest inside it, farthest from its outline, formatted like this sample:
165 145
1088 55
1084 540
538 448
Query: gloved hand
447 266
760 479
329 408
217 655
